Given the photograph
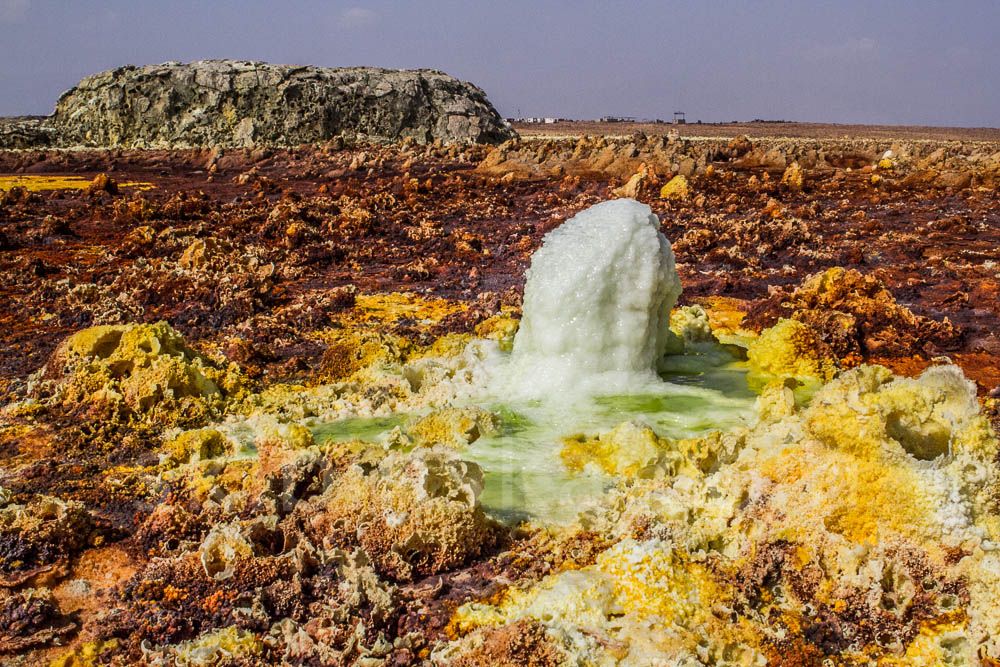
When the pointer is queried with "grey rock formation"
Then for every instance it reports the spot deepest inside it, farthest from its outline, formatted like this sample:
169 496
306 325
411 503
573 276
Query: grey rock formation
26 132
237 103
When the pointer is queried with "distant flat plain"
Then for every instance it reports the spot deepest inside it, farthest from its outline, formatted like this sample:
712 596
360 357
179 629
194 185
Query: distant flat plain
762 129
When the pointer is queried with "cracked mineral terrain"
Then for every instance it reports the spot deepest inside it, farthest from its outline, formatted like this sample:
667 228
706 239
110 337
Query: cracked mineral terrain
235 424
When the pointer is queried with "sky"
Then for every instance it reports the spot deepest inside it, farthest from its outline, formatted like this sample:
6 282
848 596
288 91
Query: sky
920 62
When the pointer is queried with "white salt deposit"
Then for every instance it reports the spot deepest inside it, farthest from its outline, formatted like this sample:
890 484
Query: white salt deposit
596 305
594 330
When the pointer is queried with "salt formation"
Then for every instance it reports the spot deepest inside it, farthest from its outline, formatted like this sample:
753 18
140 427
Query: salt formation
867 518
597 304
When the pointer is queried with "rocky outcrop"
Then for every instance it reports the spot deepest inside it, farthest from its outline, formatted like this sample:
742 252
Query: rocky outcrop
26 132
236 103
856 316
137 373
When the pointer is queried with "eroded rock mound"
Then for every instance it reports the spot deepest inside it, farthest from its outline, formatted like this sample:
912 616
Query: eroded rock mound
416 515
856 316
38 533
235 103
138 371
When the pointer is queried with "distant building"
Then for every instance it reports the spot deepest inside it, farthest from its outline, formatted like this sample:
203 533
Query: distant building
535 120
617 119
679 118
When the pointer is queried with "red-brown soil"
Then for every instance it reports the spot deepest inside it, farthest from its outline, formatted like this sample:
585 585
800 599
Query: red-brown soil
284 228
248 253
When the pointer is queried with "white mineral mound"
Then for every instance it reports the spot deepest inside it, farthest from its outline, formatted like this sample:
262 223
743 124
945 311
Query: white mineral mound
596 305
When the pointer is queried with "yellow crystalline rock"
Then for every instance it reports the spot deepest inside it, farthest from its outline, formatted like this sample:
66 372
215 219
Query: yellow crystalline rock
163 377
226 645
576 597
864 501
936 413
633 450
692 324
917 416
643 602
453 427
295 436
148 359
792 178
500 328
868 409
652 579
840 414
36 183
976 437
100 341
775 402
448 345
725 314
237 476
197 445
352 350
790 349
861 500
630 450
935 646
86 655
887 163
676 189
145 341
142 366
392 307
700 455
361 347
852 462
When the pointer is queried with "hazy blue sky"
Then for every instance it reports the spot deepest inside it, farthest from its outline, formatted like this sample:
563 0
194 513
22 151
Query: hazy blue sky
916 62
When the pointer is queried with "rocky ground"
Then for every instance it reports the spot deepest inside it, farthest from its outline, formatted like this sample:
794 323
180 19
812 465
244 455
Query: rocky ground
227 239
758 128
283 268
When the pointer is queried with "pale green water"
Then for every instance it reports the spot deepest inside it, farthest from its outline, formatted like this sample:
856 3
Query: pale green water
524 474
525 477
357 428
